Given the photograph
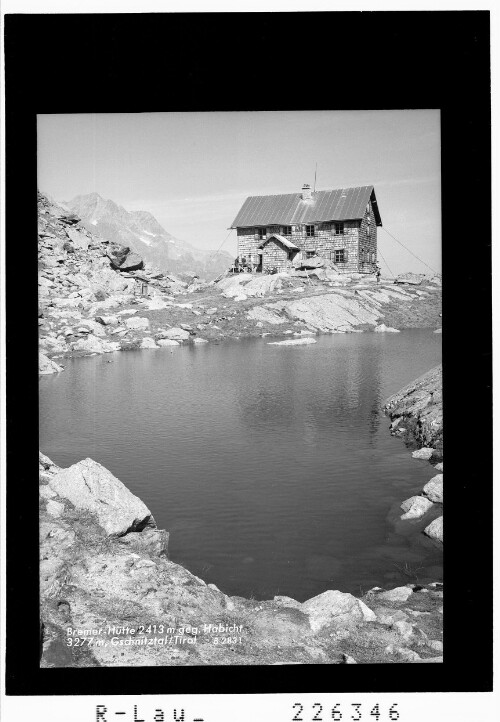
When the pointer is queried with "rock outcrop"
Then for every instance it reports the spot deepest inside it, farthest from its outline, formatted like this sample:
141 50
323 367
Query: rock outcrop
415 507
293 342
91 487
382 328
424 453
47 366
83 282
419 407
433 490
123 259
105 577
174 334
435 529
334 607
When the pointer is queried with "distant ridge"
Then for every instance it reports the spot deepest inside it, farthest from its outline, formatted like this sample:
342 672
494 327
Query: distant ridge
143 233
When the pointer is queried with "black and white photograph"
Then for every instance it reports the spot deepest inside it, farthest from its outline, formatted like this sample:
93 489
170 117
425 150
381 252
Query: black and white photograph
241 457
247 305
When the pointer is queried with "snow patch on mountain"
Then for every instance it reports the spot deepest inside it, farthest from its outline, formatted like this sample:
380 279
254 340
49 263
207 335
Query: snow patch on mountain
141 231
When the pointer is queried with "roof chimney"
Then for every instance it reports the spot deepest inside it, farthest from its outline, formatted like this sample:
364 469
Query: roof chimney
306 192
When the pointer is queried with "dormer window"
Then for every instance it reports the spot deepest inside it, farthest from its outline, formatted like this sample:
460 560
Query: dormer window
286 230
310 231
261 233
339 228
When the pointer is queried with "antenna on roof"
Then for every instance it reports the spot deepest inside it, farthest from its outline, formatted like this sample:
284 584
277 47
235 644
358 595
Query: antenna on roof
315 171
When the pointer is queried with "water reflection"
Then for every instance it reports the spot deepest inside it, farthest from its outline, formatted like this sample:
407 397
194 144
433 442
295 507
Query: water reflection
272 467
303 386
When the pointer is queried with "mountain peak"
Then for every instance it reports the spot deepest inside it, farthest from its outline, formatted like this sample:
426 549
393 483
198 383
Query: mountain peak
87 197
141 231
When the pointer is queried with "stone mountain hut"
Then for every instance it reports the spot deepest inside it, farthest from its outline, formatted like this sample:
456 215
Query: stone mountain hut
283 231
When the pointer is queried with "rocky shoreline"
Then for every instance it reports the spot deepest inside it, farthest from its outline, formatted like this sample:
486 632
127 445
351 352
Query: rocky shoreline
416 412
98 297
110 596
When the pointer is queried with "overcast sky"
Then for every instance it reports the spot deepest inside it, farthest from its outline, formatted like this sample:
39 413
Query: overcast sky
193 171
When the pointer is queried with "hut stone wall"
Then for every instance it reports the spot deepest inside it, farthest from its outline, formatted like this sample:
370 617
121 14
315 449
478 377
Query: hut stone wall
248 244
358 241
368 241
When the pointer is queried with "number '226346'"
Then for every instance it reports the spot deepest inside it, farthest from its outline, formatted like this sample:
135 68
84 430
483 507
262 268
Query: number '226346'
318 713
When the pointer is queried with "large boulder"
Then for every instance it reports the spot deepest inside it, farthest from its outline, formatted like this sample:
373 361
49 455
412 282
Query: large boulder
91 487
175 334
167 342
293 342
137 323
123 259
47 366
411 278
382 328
433 490
64 216
425 453
94 344
336 607
117 254
435 529
415 507
133 262
313 262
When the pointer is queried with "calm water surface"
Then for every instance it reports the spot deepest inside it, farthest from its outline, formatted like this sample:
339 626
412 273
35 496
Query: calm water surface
272 467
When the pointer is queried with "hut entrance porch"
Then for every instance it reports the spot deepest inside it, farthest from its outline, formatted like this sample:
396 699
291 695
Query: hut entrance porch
276 253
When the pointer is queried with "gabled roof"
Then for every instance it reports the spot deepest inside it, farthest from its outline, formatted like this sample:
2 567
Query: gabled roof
288 244
342 204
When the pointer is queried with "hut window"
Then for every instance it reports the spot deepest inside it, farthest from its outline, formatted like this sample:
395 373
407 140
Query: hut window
286 230
339 228
340 255
261 233
309 231
310 254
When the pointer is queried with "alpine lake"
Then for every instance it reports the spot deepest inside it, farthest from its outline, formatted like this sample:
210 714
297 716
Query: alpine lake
272 467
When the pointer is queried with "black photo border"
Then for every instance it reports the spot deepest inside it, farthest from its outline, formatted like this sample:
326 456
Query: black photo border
266 61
